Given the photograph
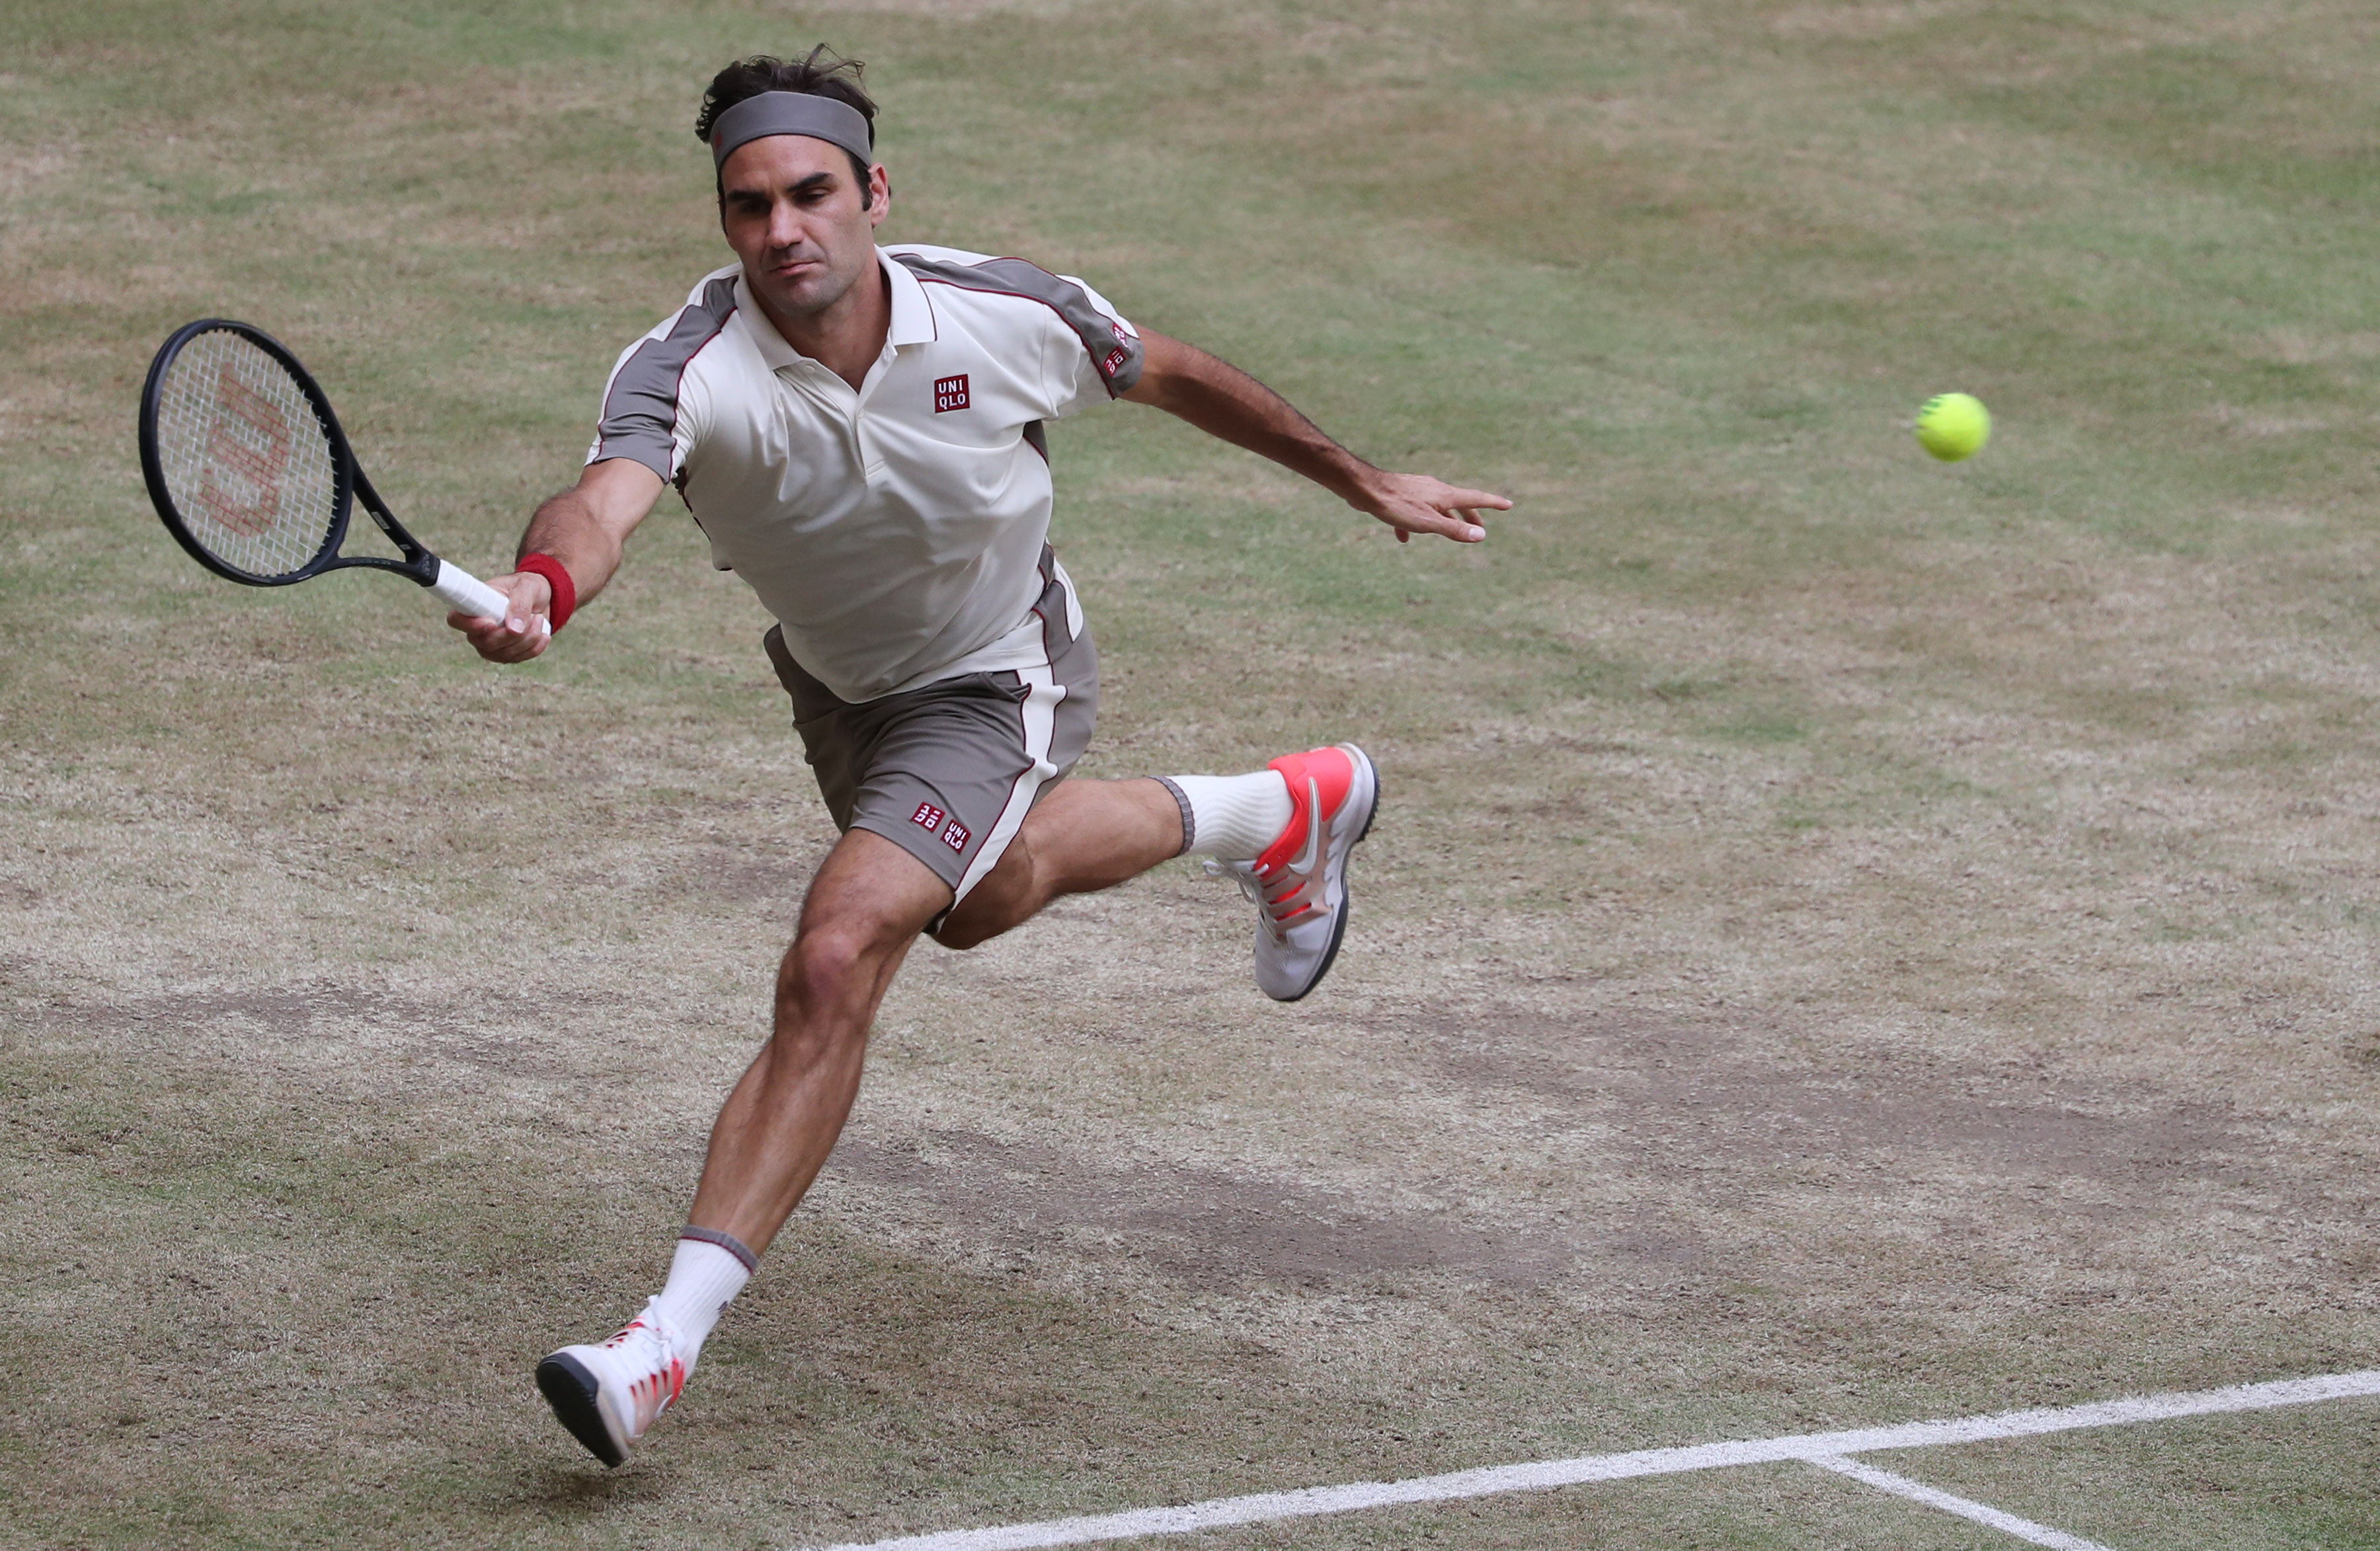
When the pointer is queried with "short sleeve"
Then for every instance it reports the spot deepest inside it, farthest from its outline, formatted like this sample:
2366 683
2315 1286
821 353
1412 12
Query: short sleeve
1094 354
648 414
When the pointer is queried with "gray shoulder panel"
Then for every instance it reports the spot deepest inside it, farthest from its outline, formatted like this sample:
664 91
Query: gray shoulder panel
1115 352
640 407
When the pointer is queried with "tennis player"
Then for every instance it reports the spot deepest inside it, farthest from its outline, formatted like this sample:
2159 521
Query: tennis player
858 430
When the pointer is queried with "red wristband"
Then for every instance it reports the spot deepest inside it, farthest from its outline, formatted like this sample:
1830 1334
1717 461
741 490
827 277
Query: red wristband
557 577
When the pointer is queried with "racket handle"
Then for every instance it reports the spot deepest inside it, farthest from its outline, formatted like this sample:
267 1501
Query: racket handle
459 589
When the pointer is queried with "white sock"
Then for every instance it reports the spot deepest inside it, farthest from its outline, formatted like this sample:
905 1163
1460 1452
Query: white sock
710 1269
1231 818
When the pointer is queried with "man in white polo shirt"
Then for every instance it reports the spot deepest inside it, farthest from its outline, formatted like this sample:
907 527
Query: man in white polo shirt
858 430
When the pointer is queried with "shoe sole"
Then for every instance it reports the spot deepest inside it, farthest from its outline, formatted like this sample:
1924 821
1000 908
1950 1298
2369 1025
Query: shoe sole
1346 902
570 1389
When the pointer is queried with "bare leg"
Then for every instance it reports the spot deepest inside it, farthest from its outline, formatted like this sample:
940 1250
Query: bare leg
867 905
865 909
1085 836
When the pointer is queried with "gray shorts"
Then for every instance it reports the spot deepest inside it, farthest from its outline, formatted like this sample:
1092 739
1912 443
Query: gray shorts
948 772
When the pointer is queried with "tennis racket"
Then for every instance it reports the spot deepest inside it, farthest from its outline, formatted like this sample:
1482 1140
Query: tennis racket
249 472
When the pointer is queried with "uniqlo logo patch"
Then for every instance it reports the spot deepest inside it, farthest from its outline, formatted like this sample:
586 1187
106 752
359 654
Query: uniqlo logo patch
1113 364
950 393
955 837
927 816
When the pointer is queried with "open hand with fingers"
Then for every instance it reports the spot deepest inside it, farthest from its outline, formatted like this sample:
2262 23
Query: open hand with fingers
1417 503
526 629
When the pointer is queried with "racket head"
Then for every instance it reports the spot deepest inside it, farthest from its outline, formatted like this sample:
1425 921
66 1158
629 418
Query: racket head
246 464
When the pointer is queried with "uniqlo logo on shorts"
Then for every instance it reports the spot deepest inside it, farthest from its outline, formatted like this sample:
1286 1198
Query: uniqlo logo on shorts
927 816
950 393
955 837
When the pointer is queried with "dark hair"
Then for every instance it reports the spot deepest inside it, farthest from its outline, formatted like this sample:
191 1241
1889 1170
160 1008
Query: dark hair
821 73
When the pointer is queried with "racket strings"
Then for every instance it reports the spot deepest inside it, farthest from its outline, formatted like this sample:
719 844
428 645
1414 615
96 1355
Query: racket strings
251 468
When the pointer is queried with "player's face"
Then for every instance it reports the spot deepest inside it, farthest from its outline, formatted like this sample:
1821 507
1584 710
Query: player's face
792 211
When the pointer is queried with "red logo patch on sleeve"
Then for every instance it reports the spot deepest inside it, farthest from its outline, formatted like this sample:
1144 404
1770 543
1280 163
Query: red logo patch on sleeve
927 816
955 837
1114 362
950 393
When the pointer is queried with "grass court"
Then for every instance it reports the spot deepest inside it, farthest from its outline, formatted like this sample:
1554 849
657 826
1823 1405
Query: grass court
1849 940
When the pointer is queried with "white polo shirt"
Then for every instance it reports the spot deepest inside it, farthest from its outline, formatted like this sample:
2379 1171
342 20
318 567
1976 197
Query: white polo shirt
896 532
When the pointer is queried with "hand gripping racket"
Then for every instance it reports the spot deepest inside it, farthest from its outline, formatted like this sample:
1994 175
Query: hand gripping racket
249 469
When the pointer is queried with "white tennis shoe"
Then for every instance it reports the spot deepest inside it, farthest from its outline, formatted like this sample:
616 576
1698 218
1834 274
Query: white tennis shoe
1299 882
608 1395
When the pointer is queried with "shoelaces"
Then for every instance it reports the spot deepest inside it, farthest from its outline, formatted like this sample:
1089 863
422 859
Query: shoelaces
1278 901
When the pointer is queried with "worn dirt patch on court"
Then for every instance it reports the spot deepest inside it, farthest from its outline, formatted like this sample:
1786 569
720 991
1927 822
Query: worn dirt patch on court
1202 1226
1626 1106
344 1036
1711 1097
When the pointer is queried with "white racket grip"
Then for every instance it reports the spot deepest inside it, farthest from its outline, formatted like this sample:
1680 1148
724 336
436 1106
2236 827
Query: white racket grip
460 589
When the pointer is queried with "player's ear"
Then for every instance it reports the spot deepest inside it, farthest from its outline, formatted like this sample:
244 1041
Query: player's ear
879 194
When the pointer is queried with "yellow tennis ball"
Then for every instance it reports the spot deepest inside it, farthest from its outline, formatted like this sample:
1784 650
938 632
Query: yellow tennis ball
1953 426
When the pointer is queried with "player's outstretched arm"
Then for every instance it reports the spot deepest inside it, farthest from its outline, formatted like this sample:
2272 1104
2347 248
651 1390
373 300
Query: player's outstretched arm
1223 401
585 528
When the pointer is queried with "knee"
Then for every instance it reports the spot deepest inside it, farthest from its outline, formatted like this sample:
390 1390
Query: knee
826 969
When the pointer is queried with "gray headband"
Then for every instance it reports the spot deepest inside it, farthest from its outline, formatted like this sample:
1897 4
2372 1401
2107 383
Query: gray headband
791 112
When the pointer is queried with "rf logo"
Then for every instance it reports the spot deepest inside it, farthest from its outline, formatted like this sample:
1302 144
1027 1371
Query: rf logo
950 393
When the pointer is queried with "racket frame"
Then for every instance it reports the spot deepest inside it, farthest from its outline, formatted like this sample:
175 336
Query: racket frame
348 478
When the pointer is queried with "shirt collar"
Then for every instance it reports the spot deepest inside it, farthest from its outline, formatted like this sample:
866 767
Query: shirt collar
913 315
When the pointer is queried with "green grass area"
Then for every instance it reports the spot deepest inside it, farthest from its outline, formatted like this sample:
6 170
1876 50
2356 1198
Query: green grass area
1851 938
2281 1479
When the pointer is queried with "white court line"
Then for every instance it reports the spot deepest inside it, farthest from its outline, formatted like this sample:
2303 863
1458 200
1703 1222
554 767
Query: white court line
1266 1507
1982 1513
